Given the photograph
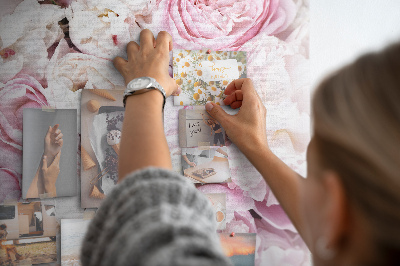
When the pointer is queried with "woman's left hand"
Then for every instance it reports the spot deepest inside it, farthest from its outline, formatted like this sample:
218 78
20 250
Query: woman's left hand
150 59
50 175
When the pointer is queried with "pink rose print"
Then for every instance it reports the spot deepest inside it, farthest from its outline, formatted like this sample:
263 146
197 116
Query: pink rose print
220 24
21 92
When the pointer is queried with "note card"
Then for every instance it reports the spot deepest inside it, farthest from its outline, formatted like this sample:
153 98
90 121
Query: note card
203 76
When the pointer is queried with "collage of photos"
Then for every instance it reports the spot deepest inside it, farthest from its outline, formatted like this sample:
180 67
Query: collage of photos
28 234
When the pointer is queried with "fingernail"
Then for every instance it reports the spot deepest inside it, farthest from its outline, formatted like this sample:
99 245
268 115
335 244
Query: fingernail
179 90
209 106
44 157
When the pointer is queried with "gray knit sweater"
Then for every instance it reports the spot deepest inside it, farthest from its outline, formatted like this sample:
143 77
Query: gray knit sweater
153 217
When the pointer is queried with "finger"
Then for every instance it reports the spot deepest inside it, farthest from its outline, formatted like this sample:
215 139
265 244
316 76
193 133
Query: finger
164 41
245 85
56 160
147 40
119 63
217 113
48 131
60 142
131 49
55 127
235 96
44 163
59 136
236 105
177 92
58 131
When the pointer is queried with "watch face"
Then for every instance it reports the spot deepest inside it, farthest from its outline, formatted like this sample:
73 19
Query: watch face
140 83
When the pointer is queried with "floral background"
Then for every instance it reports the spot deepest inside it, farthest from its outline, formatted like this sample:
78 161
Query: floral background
52 49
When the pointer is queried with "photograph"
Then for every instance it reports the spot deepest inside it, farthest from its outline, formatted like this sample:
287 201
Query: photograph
72 233
9 220
218 201
30 251
204 74
36 219
239 248
197 128
206 164
49 153
102 114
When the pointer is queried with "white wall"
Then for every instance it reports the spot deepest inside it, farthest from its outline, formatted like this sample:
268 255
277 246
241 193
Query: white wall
343 29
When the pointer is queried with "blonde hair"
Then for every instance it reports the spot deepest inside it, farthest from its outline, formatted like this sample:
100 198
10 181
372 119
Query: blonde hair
357 134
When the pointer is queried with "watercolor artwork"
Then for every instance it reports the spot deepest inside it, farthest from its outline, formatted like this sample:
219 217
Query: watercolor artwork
102 114
206 164
50 153
239 248
72 233
204 74
51 52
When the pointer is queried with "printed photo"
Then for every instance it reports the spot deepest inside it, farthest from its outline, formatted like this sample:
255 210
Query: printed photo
28 251
197 128
240 248
72 233
204 74
102 114
49 153
34 220
218 201
9 220
206 164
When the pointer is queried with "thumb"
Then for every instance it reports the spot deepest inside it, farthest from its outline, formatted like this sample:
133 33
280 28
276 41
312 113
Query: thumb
44 163
217 113
56 160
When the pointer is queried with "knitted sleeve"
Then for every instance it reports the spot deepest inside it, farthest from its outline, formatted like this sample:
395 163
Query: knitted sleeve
153 217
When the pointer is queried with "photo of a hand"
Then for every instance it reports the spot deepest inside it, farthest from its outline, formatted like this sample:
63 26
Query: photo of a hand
52 143
50 174
47 172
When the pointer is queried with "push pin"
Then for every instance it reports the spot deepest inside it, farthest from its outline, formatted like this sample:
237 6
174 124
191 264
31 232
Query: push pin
232 234
208 51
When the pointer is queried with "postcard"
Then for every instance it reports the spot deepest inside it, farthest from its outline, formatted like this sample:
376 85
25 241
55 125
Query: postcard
102 114
240 248
197 128
49 153
72 234
204 74
206 164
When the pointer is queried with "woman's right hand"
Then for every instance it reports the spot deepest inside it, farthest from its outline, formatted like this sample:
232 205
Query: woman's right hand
53 142
247 128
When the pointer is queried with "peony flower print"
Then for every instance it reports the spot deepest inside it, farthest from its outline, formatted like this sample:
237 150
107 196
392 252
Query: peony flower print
219 24
23 91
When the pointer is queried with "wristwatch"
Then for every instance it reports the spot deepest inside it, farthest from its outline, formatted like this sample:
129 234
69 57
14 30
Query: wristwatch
142 85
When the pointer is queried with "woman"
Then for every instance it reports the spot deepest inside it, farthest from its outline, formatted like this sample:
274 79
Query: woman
12 254
347 210
217 129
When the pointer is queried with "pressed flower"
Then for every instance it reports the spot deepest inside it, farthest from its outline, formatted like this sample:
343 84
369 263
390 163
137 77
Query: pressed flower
196 96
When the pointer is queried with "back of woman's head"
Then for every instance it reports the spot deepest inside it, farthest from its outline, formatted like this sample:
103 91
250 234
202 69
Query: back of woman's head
357 134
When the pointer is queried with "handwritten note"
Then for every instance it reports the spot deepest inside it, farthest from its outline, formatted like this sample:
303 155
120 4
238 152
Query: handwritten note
219 70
